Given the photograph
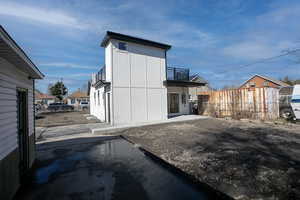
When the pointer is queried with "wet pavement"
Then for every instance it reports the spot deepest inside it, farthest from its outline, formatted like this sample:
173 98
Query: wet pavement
99 168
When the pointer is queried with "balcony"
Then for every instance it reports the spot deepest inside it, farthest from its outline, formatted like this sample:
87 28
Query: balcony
178 74
99 77
180 77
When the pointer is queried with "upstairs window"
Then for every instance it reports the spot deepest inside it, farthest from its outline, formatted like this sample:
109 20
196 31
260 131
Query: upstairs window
252 84
266 83
122 46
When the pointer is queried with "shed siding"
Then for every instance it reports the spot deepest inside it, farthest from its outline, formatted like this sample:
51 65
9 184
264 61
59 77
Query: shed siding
10 79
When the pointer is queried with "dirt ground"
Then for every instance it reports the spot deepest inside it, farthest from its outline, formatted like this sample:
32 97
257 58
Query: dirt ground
246 160
50 119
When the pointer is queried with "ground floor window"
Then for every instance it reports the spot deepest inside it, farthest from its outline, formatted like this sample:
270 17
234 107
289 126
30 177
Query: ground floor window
173 103
72 101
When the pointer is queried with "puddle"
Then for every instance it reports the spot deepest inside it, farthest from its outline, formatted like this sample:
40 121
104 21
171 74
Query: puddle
112 169
42 175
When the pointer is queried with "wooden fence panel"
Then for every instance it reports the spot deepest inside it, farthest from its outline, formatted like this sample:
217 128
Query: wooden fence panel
257 103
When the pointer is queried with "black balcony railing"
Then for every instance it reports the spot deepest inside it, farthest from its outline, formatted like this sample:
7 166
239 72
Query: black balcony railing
178 74
100 76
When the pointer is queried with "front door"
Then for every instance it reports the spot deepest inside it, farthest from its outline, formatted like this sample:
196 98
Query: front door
23 139
173 103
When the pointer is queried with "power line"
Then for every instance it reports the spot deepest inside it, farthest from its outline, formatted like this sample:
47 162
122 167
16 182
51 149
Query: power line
264 60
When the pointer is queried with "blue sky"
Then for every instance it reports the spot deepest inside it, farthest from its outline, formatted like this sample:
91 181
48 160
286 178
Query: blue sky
213 38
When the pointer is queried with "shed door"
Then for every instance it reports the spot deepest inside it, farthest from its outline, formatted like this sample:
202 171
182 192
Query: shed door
23 138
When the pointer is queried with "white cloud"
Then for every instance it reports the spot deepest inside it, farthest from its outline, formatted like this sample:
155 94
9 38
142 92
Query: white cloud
250 50
267 35
68 65
42 15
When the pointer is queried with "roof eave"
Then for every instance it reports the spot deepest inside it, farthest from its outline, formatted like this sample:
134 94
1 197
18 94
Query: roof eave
31 67
118 36
175 83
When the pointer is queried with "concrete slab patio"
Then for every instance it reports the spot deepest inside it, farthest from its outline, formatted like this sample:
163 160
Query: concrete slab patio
118 128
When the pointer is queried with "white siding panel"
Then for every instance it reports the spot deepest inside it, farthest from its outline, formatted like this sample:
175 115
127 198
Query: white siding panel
122 105
4 102
12 78
121 70
6 84
138 70
6 109
9 115
154 72
6 121
108 64
7 91
8 96
155 104
139 104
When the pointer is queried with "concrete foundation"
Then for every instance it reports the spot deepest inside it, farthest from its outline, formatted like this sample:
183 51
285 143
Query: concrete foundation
10 172
9 175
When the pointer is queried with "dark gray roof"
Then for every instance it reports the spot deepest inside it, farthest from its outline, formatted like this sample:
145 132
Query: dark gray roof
118 36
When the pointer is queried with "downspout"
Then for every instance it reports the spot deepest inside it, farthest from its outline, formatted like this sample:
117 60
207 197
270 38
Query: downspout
166 74
111 110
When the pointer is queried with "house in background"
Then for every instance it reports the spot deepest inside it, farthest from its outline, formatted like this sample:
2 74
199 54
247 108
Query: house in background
17 131
259 81
194 91
135 84
179 85
77 97
43 99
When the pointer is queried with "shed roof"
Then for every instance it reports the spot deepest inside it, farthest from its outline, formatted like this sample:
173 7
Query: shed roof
118 36
13 53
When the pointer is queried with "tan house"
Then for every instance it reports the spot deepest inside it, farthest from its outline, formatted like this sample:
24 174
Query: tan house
259 81
77 97
44 99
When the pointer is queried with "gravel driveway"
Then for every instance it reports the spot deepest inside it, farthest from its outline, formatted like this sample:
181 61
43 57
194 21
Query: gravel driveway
242 159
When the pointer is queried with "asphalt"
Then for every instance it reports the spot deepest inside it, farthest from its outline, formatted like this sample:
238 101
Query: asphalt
104 168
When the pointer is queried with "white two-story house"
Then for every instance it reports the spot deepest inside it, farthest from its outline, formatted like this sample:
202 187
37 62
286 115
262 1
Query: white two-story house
135 84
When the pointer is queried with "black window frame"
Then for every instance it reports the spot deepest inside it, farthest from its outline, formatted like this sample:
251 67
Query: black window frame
122 46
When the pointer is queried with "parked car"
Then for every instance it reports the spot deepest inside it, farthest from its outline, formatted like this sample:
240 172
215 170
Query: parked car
295 102
289 102
54 107
84 105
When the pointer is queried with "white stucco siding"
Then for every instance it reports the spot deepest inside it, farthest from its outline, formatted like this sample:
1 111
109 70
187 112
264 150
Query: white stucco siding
139 108
122 105
183 107
137 84
10 79
138 70
97 102
108 62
